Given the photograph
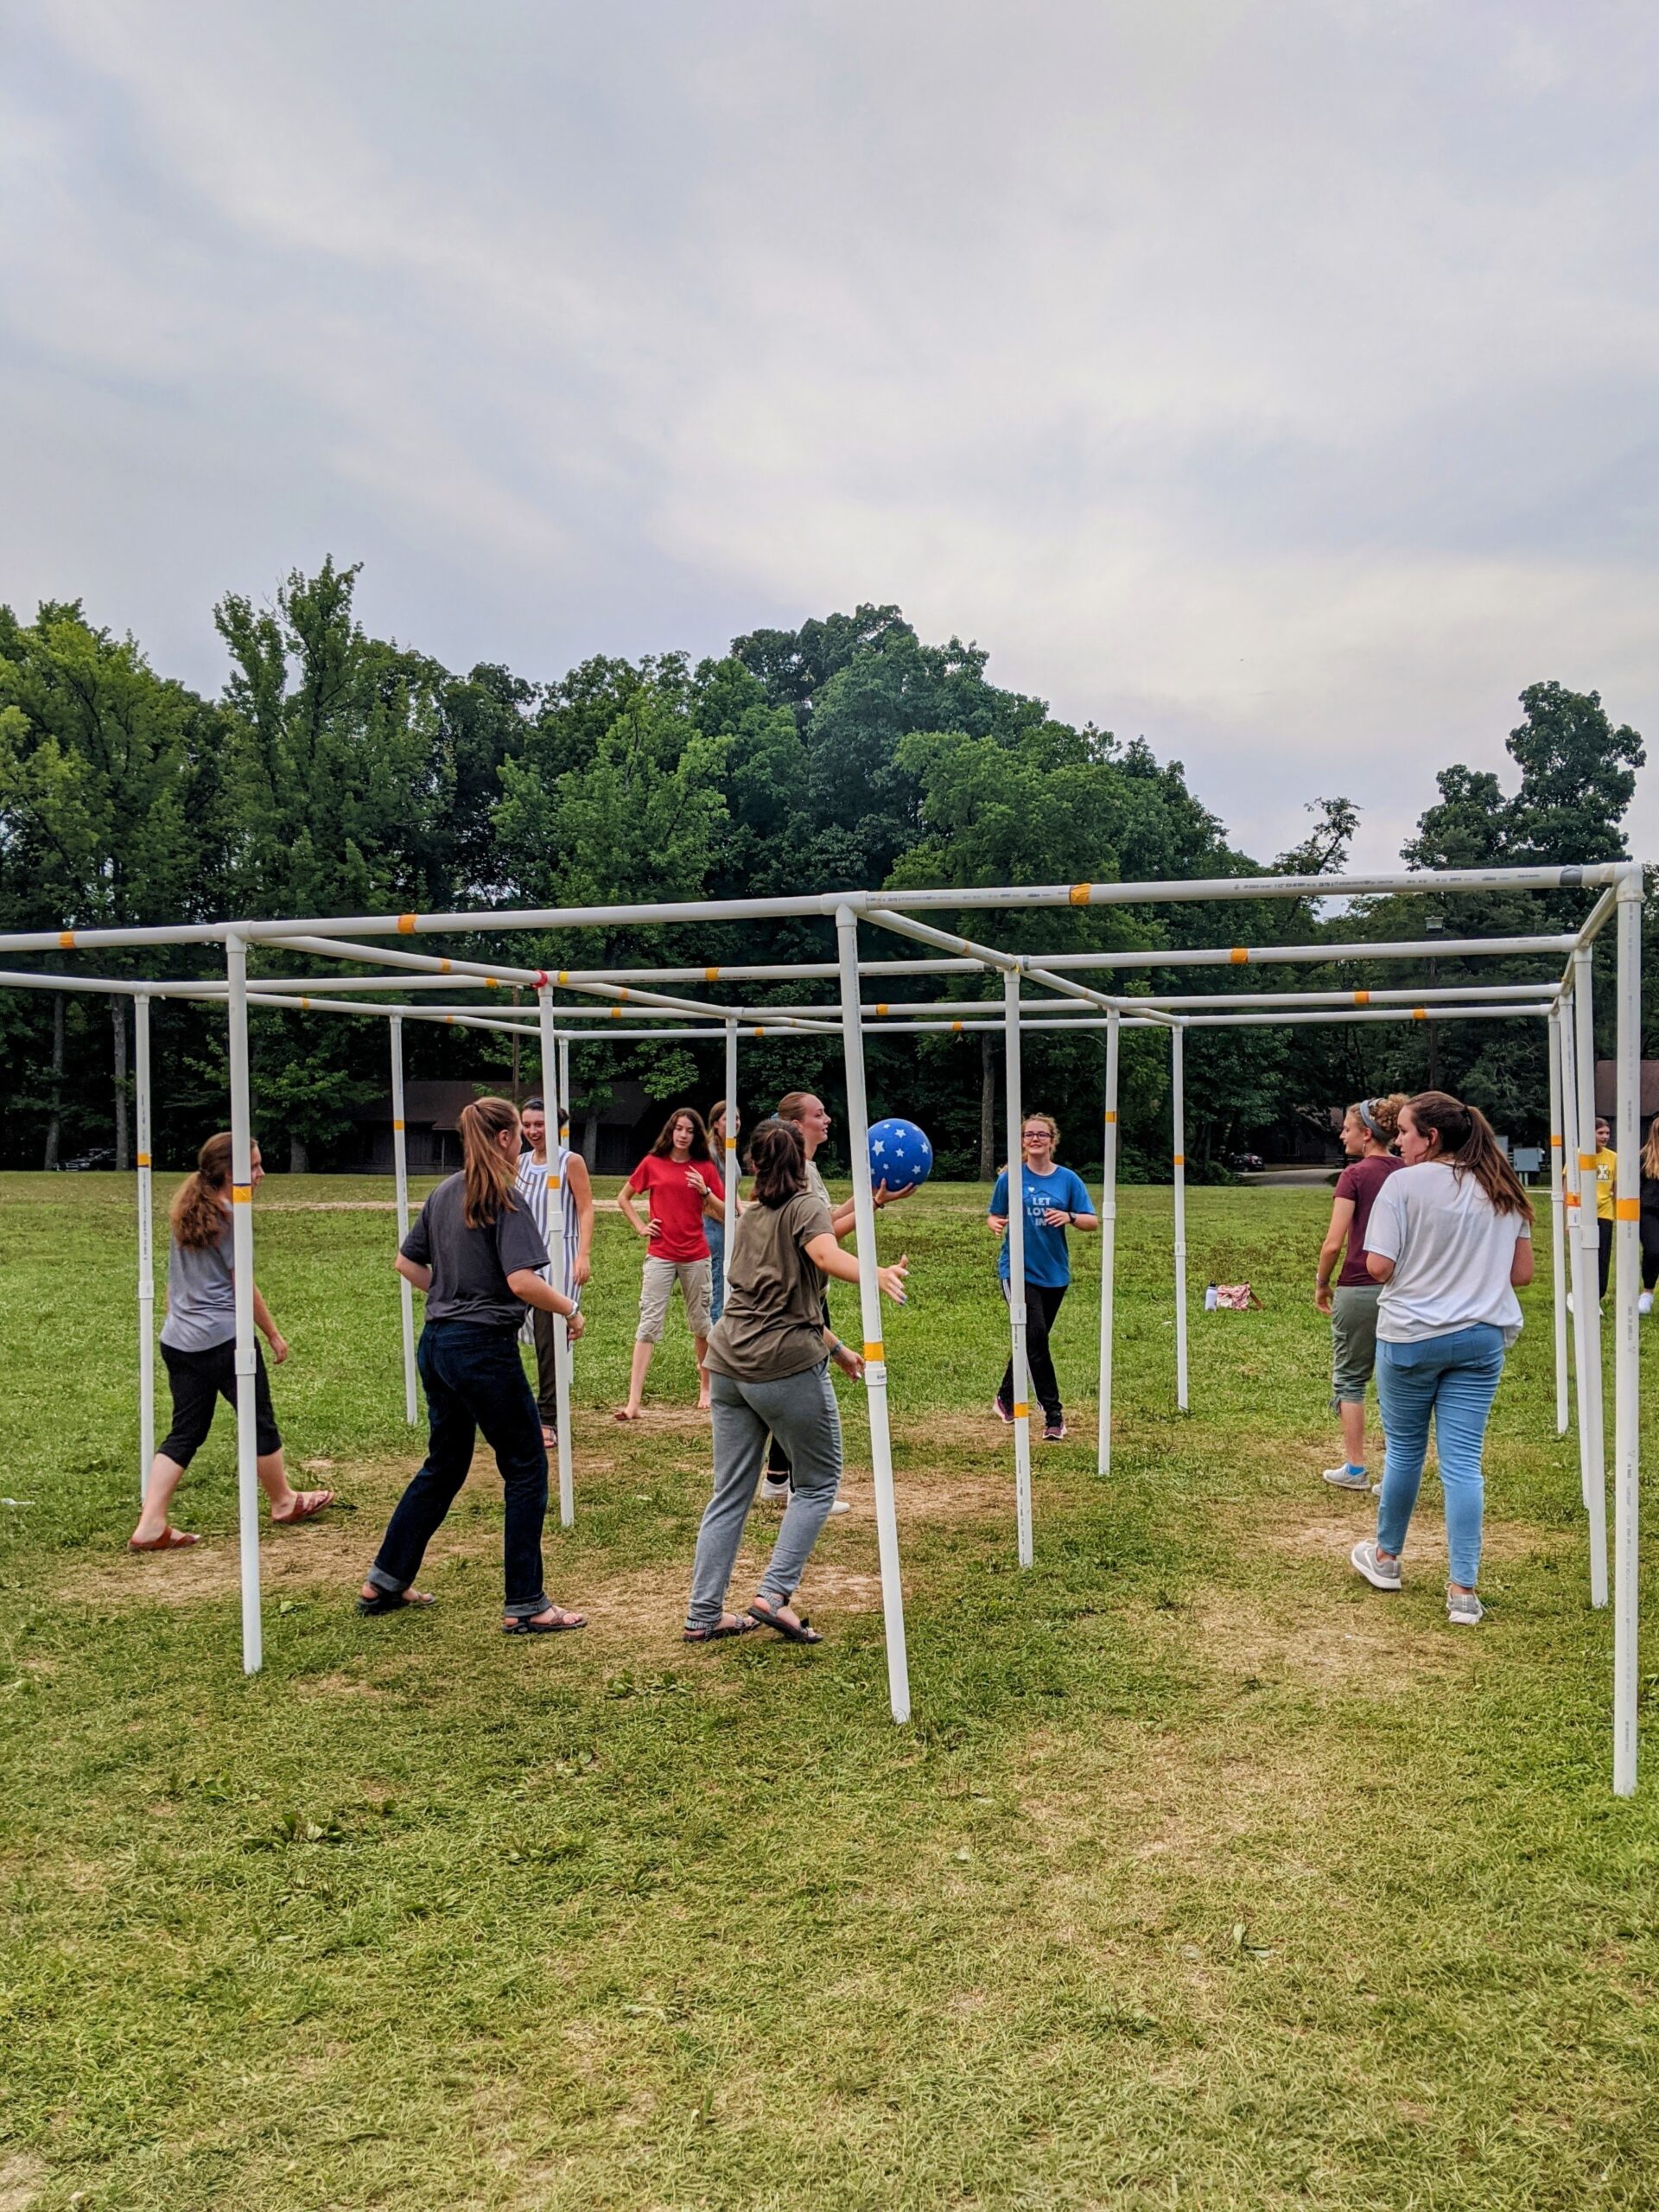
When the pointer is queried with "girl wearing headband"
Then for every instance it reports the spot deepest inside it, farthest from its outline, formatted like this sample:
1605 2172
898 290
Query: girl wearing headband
1369 1129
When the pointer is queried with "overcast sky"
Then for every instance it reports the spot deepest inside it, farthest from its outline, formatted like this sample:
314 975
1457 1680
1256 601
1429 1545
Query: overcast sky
1276 380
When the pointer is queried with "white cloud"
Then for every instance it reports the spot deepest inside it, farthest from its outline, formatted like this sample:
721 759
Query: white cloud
1275 378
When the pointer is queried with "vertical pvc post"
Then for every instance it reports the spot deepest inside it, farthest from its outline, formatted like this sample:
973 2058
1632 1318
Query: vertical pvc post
729 1164
1570 1207
556 1203
1108 1245
1557 1222
1017 1268
564 1092
869 1298
400 1176
1178 1119
1627 1251
247 1441
146 1243
1591 1394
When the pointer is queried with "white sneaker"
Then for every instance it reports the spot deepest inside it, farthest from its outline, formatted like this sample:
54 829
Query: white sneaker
1347 1477
840 1506
1381 1573
774 1491
1644 1304
1463 1608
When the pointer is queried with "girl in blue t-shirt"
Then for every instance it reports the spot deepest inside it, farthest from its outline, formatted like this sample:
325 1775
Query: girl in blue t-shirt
1055 1200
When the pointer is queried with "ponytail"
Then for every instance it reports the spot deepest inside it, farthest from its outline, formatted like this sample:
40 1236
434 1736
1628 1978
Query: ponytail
490 1173
1469 1147
197 1214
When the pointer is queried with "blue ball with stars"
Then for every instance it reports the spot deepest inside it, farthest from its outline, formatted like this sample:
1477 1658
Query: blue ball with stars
900 1154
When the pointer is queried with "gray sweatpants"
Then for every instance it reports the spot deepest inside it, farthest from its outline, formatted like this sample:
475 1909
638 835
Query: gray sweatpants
801 1412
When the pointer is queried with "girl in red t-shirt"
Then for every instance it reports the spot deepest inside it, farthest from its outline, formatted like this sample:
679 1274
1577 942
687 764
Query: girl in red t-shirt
680 1184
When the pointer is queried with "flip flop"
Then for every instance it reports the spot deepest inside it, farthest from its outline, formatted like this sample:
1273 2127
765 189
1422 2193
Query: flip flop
545 1628
393 1601
311 1500
170 1540
620 1415
795 1632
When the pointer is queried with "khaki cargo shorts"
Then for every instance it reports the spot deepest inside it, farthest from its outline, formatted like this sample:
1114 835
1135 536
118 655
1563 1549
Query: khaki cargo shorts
1353 1341
657 1287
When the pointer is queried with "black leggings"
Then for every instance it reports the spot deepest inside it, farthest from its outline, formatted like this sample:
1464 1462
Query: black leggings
199 1380
1043 1303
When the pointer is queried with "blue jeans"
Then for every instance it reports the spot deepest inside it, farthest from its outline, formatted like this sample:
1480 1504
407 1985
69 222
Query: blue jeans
474 1379
714 1234
1455 1378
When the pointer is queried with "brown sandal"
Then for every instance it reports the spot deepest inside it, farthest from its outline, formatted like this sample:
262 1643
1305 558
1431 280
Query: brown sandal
170 1540
310 1502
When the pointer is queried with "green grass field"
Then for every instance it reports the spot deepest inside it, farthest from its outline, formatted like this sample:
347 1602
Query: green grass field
1204 1878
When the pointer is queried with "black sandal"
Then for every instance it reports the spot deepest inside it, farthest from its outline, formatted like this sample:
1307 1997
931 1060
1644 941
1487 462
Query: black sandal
797 1632
392 1601
740 1624
531 1627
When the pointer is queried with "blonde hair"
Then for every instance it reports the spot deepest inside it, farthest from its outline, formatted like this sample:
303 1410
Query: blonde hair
1048 1122
490 1173
1650 1151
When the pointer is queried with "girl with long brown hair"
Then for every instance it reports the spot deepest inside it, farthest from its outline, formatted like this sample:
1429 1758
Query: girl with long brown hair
476 1255
1650 1216
679 1181
1450 1240
1369 1129
198 1351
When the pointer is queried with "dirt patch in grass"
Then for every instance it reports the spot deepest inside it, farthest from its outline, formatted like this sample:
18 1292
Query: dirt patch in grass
1331 1539
23 2177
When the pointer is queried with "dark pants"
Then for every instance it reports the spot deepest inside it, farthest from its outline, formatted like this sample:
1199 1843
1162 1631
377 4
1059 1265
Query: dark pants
474 1379
547 1385
198 1381
1042 1305
1649 1247
1604 1253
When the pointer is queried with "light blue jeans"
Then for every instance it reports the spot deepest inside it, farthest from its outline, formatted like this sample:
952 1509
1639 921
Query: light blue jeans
714 1234
1454 1378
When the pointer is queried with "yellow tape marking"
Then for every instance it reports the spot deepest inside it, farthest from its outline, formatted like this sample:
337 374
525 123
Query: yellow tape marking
443 967
1627 1209
731 1144
621 994
711 974
1557 1142
1022 1413
759 1032
1420 1014
1239 955
1587 1162
564 975
1361 998
406 925
491 984
955 1025
1181 1160
1079 894
1572 1198
305 1005
396 1125
242 1194
1111 1114
450 1019
143 1160
881 1007
872 1353
67 939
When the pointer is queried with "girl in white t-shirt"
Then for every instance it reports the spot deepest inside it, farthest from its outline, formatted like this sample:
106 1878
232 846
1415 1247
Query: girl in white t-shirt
1450 1240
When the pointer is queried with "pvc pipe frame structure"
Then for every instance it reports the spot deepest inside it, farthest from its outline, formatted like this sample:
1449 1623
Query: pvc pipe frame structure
1622 889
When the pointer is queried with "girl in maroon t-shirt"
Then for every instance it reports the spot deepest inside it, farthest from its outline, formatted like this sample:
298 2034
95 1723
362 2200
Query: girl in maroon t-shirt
680 1183
1369 1130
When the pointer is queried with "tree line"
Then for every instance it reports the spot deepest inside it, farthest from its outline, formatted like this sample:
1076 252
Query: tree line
337 772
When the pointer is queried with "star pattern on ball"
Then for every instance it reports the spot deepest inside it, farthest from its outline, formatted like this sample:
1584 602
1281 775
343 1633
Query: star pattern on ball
899 1153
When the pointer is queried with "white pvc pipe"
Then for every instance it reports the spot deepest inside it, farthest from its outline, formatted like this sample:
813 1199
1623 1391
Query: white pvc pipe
1571 1203
869 1297
1593 1382
1627 1240
729 1167
400 1175
1017 1271
1107 1246
1178 1118
247 1446
564 1092
146 1243
556 1203
1557 1221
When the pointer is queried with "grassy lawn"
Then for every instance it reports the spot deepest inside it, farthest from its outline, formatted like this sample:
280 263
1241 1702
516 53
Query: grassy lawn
1206 1876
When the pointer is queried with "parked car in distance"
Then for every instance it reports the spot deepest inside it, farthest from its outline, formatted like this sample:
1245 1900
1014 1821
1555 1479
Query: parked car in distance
1246 1163
100 1155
